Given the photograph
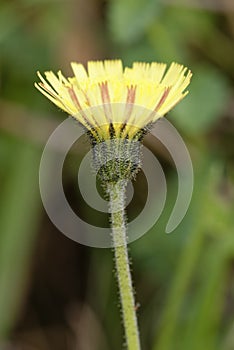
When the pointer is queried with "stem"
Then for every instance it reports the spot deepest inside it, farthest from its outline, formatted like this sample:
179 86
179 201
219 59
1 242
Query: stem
117 199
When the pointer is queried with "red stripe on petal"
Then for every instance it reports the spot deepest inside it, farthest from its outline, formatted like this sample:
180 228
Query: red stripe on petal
53 94
131 94
74 97
163 98
104 92
106 100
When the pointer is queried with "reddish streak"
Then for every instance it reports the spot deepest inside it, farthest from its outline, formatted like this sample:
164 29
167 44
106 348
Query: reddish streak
77 103
106 99
56 97
130 100
104 92
46 89
85 95
163 98
131 94
74 97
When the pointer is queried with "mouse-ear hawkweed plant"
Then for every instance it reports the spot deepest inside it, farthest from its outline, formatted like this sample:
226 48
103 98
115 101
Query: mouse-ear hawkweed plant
118 132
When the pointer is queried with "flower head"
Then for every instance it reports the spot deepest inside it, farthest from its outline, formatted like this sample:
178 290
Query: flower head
111 101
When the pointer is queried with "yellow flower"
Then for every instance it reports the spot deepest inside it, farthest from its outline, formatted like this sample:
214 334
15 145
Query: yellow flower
109 100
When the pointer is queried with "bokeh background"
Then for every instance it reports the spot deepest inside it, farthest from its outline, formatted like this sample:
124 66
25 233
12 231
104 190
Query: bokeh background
56 294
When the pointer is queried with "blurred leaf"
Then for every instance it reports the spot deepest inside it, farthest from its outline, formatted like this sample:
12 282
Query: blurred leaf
201 331
140 52
191 317
164 34
9 20
129 19
162 39
18 219
186 265
151 250
193 23
209 93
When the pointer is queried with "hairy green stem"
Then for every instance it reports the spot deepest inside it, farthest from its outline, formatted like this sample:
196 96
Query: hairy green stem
117 200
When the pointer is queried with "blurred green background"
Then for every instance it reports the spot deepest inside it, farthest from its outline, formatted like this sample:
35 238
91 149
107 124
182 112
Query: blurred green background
56 294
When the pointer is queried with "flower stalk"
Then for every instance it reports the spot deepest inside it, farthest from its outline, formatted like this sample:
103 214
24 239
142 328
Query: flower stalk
116 106
116 193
